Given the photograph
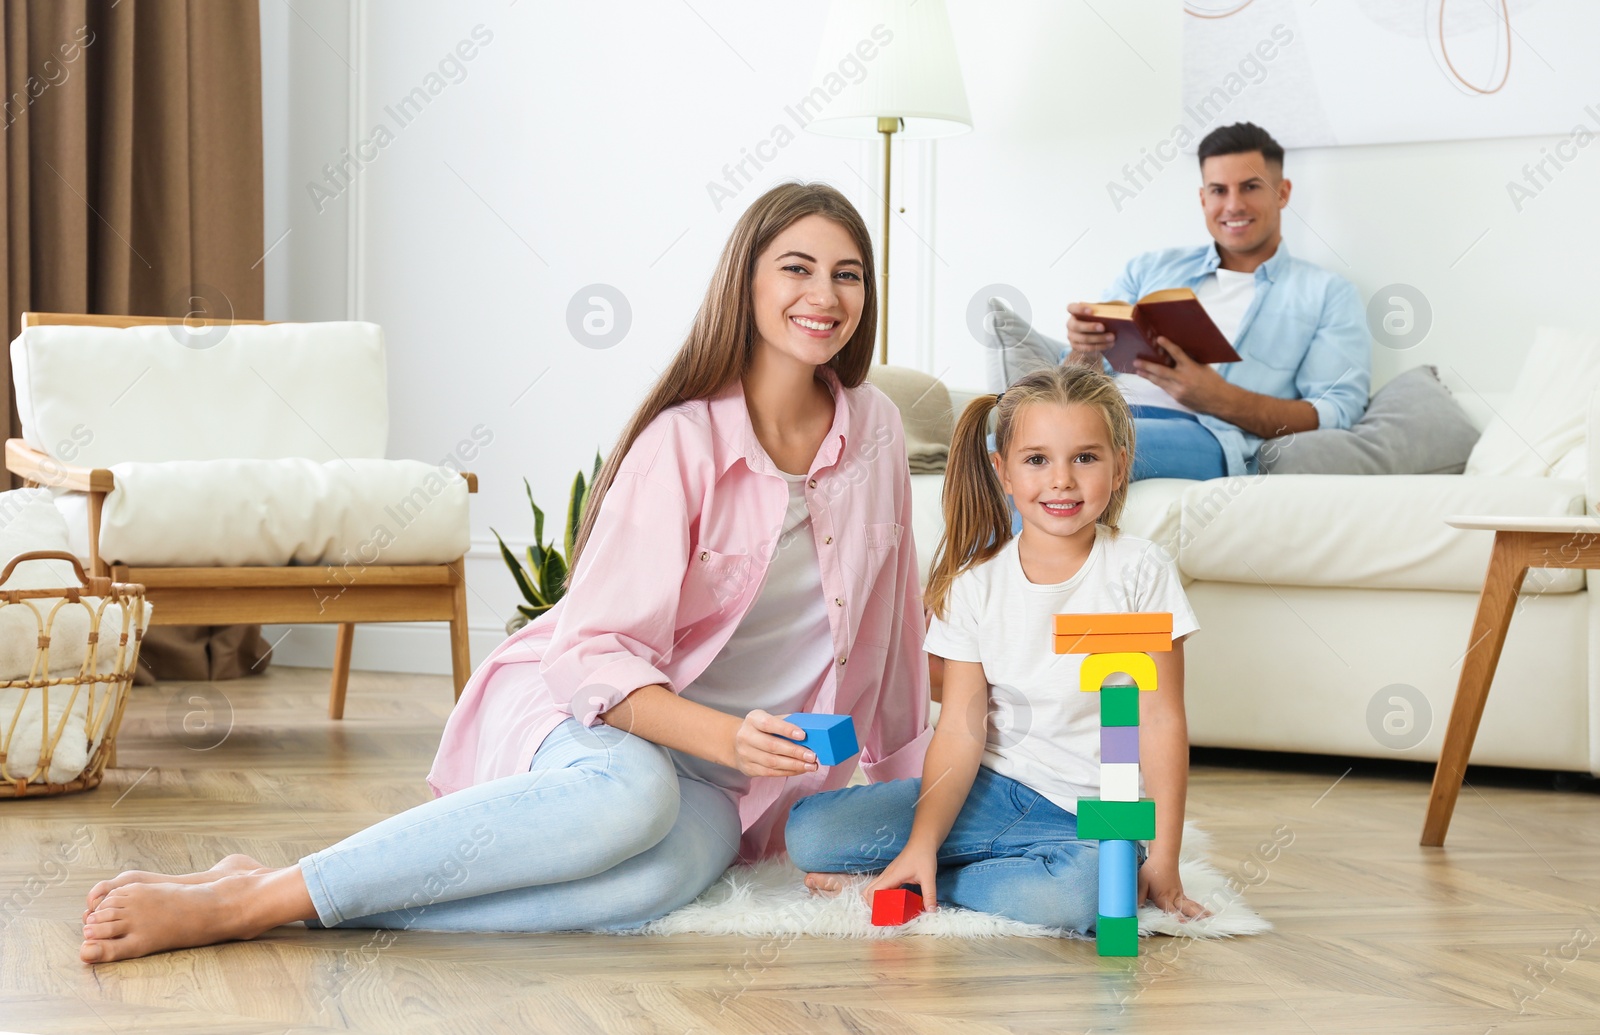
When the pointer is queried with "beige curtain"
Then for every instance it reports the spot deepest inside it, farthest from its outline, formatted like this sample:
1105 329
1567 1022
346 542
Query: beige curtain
131 175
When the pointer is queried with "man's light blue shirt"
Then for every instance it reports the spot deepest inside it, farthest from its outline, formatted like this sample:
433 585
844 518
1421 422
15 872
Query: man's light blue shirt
1304 337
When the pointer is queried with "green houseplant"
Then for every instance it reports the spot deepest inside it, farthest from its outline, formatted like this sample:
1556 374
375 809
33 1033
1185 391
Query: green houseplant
543 580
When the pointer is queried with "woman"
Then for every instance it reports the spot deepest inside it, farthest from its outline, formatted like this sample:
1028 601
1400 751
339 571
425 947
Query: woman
745 554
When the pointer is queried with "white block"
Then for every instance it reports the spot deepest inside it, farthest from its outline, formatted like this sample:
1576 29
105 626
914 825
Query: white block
1119 781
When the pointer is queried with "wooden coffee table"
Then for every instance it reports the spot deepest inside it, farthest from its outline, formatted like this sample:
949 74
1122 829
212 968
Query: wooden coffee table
1520 543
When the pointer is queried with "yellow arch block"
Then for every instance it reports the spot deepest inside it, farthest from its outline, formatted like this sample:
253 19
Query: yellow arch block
1096 667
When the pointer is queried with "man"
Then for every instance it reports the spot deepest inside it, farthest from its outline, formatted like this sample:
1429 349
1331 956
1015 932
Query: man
1301 330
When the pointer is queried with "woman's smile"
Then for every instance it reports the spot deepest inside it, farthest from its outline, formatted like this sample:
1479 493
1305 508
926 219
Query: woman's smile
815 326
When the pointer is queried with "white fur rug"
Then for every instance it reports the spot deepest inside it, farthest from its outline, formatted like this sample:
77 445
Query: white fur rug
770 899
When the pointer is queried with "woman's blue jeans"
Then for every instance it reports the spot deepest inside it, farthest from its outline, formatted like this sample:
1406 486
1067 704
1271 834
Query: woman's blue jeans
1012 851
599 833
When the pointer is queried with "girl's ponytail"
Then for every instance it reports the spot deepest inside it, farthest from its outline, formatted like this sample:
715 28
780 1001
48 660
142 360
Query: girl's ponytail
977 519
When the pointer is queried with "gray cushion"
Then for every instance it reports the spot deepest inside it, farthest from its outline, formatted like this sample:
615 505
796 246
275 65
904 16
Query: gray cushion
1015 349
1412 426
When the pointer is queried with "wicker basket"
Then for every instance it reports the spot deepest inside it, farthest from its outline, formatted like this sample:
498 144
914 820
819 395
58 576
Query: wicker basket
102 695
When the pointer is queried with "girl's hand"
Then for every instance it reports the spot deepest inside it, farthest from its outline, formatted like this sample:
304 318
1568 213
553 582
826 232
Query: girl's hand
1161 885
760 747
914 865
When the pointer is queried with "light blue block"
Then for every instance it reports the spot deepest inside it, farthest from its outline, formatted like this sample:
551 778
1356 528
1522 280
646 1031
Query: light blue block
1119 878
832 737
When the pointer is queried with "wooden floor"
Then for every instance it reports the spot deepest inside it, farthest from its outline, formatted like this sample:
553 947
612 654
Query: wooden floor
1498 932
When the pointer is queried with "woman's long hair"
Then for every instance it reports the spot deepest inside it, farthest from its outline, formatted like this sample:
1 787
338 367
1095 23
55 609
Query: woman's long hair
977 517
719 346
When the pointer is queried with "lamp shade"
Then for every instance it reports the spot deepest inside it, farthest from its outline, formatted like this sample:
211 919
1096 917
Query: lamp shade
888 59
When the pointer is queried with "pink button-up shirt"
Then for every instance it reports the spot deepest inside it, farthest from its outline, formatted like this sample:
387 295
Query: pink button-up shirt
677 555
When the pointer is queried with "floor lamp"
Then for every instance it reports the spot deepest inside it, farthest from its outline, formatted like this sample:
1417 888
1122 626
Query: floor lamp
887 68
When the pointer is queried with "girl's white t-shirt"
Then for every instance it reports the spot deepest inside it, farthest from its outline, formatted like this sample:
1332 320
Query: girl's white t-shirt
1043 731
1226 296
781 649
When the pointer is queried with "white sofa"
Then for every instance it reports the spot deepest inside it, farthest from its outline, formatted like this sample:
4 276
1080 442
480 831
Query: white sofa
1323 598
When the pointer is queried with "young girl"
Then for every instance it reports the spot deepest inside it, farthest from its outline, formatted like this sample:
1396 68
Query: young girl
991 824
744 555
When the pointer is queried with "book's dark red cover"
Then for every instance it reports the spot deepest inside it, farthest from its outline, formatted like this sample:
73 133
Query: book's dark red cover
1183 321
1130 344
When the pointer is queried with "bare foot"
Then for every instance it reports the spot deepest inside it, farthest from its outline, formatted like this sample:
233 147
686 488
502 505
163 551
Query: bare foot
227 867
828 883
138 919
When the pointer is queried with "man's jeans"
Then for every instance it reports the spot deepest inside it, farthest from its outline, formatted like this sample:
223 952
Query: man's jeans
1174 444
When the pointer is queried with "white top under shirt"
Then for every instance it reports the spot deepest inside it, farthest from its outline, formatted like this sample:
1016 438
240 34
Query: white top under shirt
1043 731
781 648
1226 296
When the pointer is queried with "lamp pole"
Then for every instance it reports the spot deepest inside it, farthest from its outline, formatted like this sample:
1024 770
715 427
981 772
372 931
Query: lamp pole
887 126
914 90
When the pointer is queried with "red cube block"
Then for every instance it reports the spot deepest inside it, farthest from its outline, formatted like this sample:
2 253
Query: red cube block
892 907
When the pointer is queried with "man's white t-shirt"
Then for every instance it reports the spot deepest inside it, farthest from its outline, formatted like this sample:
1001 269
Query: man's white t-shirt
780 650
1043 731
1226 296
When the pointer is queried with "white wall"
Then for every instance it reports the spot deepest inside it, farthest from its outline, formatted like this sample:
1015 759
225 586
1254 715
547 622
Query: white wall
577 147
306 69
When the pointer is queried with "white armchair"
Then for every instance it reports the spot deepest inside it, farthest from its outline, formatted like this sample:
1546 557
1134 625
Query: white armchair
237 471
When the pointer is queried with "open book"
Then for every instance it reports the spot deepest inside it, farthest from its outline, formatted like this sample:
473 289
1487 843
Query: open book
1174 314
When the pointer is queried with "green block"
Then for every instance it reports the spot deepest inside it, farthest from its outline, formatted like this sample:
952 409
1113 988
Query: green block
1116 820
1119 706
1116 936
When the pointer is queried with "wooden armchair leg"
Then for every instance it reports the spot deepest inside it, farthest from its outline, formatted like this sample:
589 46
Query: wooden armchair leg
341 669
460 647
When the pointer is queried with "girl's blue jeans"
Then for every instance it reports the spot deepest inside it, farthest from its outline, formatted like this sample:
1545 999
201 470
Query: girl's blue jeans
1012 851
600 833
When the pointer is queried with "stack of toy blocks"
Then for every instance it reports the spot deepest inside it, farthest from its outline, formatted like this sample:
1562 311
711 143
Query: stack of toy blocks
1116 645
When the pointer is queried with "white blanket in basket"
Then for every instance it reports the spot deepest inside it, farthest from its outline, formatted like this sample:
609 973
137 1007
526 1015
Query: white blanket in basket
28 718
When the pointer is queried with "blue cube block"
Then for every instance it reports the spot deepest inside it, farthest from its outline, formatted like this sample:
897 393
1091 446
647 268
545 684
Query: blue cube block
1119 878
832 737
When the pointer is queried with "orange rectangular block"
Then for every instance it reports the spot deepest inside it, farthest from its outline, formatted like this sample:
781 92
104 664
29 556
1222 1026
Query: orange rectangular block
1114 643
1114 622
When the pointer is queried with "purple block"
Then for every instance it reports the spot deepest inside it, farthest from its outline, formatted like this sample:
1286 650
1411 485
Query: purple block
1119 743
